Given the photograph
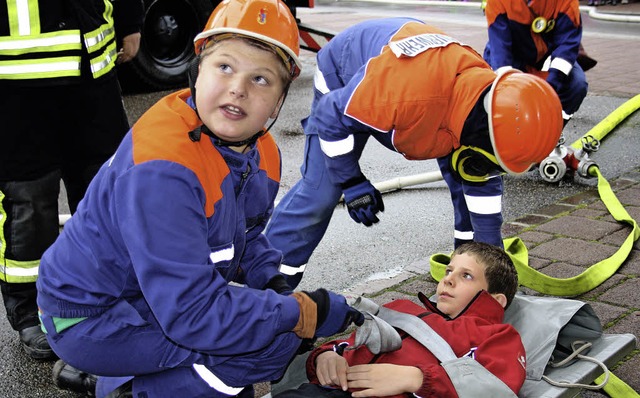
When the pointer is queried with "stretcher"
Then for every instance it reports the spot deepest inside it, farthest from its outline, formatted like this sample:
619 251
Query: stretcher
578 322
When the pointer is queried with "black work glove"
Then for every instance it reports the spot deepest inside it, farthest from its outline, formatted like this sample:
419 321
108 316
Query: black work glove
363 200
333 313
279 285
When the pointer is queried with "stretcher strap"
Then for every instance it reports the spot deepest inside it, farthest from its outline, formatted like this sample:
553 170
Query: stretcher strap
591 278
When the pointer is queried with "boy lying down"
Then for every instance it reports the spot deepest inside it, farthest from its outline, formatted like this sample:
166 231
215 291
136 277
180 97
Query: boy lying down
479 284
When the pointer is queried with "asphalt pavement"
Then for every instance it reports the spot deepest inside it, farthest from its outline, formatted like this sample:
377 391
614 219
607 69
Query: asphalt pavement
563 238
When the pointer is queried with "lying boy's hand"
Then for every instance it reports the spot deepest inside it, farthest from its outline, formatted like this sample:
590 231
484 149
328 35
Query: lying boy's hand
381 379
331 370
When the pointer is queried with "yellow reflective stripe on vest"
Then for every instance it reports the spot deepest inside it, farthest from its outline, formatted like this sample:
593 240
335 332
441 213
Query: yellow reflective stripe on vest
10 270
96 40
46 42
40 68
26 38
24 17
105 62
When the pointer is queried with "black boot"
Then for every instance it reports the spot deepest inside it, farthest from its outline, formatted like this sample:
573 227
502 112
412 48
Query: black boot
67 377
35 343
124 391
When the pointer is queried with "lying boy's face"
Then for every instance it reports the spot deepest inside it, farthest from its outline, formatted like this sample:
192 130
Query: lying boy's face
463 279
239 87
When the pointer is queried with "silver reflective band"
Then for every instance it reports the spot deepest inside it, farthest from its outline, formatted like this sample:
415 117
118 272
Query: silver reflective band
22 44
289 270
463 235
98 66
337 148
24 28
319 82
17 271
562 65
97 39
214 382
222 255
23 69
484 204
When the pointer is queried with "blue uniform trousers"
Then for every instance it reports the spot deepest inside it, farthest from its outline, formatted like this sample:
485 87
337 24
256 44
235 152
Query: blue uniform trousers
127 343
481 224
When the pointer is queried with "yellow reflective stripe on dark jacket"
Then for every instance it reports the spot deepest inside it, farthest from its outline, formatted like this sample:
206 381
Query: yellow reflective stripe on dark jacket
29 53
100 43
13 271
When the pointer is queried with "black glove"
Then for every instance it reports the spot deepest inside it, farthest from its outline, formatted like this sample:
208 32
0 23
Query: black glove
279 284
333 313
363 200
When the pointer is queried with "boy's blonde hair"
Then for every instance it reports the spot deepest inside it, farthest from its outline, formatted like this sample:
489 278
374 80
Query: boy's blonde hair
499 271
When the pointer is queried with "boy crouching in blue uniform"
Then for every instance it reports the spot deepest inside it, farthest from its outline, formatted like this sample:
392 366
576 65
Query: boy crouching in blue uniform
136 289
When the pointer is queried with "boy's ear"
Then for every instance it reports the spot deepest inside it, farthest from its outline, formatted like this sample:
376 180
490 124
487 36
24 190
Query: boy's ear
500 298
276 110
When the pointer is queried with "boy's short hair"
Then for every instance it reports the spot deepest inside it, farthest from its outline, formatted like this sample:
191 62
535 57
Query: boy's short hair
285 76
499 270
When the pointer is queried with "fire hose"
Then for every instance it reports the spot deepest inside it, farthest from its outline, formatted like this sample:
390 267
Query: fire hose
573 158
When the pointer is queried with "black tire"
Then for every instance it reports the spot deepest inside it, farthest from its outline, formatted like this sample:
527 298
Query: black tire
166 45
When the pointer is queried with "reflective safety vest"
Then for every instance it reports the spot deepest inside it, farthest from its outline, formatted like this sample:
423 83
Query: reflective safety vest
33 51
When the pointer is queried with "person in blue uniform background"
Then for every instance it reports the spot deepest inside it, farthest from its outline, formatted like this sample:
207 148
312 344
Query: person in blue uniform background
541 37
423 94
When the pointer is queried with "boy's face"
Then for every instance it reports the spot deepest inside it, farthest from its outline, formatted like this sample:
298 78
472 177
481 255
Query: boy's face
238 89
463 279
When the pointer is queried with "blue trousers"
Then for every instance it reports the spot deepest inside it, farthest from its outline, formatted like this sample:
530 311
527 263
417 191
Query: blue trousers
300 220
574 92
127 343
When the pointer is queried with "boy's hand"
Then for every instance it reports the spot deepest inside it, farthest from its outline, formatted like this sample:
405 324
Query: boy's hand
331 370
381 379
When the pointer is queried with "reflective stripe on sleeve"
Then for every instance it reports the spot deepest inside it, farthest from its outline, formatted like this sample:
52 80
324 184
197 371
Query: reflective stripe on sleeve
337 148
214 382
225 254
562 65
289 270
319 83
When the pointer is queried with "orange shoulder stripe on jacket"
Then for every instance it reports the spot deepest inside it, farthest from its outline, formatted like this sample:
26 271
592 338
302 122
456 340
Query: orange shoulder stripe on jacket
162 134
269 156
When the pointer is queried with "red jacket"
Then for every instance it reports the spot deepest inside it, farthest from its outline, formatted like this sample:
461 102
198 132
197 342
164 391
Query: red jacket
477 332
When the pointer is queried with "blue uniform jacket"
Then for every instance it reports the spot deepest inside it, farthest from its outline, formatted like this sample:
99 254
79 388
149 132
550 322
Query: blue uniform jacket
173 221
513 41
407 83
